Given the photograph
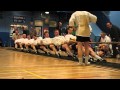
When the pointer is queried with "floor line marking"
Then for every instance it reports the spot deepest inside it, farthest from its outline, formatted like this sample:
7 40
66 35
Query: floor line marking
41 77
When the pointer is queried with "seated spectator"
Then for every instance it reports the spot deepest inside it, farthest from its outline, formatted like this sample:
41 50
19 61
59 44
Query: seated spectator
107 48
60 42
15 35
48 44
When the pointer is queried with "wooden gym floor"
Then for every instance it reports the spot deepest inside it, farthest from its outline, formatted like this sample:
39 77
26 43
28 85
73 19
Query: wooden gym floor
20 65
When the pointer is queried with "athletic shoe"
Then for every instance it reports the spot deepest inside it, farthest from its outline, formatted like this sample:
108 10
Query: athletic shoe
88 63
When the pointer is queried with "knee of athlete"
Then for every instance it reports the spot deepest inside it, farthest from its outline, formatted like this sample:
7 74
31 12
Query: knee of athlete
32 45
100 53
40 46
90 52
64 46
103 47
76 46
79 43
70 47
83 50
51 46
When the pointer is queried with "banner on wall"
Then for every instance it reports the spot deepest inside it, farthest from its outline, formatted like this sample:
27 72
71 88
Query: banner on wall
38 30
46 21
18 27
52 24
38 23
18 19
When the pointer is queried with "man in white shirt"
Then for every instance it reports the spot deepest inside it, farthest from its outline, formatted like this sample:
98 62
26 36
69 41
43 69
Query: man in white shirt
28 42
15 35
18 41
23 40
71 39
105 47
82 20
60 42
35 43
48 44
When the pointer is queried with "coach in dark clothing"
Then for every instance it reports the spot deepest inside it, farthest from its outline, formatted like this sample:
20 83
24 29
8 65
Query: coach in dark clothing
115 36
59 27
25 30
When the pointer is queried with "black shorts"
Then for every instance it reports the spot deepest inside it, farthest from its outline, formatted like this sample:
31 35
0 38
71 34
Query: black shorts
82 39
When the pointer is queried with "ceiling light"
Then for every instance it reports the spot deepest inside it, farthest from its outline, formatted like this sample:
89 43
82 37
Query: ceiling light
47 12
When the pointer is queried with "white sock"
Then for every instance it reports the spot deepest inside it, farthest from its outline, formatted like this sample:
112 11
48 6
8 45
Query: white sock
80 60
86 59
